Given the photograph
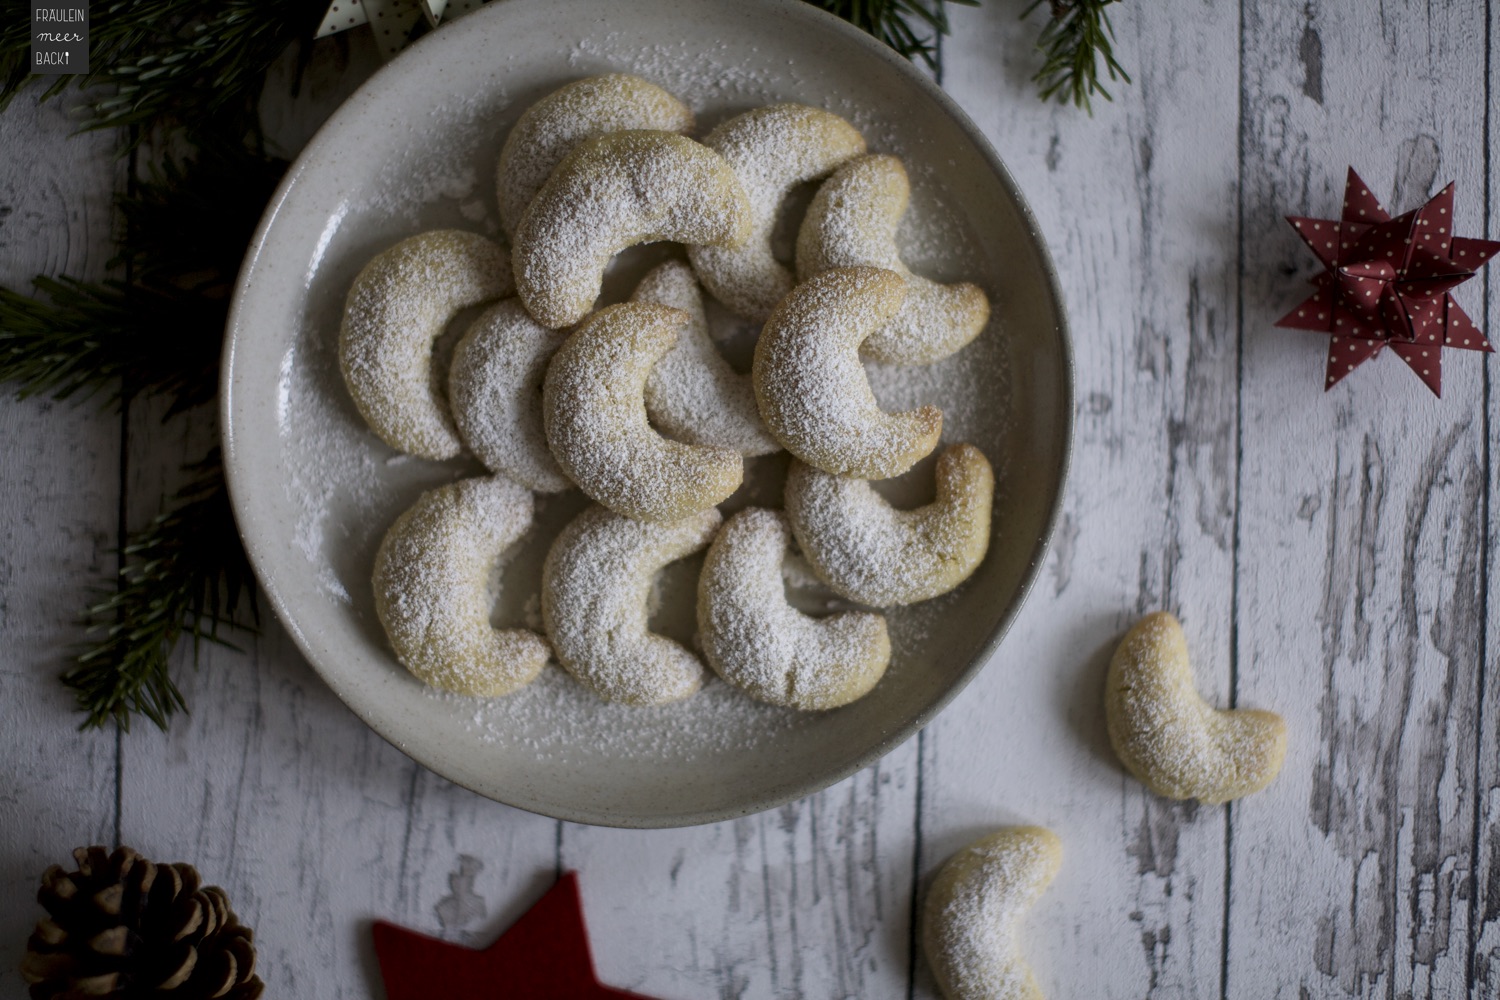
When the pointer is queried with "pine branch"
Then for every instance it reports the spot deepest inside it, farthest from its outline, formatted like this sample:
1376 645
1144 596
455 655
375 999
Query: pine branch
86 338
169 63
1077 37
186 229
891 22
185 574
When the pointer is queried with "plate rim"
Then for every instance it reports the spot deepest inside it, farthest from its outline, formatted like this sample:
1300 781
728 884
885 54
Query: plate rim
243 507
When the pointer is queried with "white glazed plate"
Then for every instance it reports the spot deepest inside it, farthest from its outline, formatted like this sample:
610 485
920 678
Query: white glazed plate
314 490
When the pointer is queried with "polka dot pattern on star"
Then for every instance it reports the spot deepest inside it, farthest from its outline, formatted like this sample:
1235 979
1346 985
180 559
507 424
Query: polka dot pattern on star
1387 282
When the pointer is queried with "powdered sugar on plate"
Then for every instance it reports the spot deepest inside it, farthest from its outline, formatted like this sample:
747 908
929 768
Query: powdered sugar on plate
345 487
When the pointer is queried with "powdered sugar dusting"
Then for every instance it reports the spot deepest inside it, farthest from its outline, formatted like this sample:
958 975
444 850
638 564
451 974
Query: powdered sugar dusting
495 387
757 641
1170 737
976 902
870 552
345 488
772 150
612 192
692 393
595 591
399 306
552 127
813 392
852 221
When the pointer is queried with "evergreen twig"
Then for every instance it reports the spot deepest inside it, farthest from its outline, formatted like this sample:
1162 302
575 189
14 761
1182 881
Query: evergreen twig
1077 37
168 63
185 228
185 574
194 70
185 231
80 338
891 22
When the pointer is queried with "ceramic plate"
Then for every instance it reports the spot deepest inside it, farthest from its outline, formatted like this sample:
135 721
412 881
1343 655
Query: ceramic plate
314 490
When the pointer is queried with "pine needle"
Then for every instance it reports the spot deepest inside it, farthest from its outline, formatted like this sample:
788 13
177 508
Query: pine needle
79 338
1074 41
185 574
168 64
186 229
891 22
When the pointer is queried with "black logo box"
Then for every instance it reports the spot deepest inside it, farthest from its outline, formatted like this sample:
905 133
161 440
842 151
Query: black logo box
60 39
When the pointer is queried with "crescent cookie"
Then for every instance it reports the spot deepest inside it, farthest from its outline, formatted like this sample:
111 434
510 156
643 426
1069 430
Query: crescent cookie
973 908
1169 737
432 588
853 220
692 393
759 643
495 390
554 125
397 308
612 192
772 150
595 587
812 389
594 412
868 551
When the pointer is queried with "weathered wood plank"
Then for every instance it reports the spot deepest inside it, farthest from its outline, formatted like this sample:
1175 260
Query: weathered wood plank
1361 528
59 499
1484 901
1138 206
312 822
809 900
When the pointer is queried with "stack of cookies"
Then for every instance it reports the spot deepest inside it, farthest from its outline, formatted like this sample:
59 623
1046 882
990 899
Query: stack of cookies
634 405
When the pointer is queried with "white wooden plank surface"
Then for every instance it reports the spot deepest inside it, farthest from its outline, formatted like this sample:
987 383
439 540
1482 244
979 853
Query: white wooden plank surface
1362 548
1136 204
59 494
277 791
1330 556
809 900
1484 901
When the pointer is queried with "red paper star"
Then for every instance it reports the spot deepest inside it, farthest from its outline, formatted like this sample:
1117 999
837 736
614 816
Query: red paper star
544 956
1387 283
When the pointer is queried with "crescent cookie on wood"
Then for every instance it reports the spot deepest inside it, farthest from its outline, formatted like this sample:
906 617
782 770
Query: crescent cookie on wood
762 645
974 906
853 220
595 586
554 125
772 150
432 588
1169 737
812 389
611 192
595 416
870 552
495 390
397 308
692 393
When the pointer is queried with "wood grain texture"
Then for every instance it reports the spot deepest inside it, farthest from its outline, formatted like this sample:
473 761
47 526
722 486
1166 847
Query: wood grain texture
1331 556
278 792
1361 544
809 900
1484 887
1139 208
59 496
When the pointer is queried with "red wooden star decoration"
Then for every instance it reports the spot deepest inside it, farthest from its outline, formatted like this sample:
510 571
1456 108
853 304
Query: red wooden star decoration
1386 283
544 956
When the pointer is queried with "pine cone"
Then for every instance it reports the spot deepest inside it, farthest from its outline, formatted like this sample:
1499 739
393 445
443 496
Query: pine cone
123 927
